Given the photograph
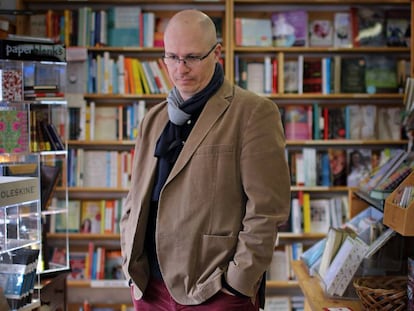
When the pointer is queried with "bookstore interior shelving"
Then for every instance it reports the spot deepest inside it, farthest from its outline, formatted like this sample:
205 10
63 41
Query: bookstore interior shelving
319 140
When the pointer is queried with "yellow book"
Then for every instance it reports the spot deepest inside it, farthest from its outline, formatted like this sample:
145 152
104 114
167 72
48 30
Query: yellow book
306 213
136 85
143 78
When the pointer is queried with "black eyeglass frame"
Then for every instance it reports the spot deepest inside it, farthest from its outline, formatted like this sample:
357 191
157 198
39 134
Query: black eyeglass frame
189 58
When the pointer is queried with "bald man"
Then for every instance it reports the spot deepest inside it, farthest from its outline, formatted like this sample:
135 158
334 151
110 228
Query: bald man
210 184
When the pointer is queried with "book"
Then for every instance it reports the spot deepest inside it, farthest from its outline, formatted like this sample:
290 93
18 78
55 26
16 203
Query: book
91 216
290 76
369 26
253 31
381 75
334 123
113 265
11 85
312 256
393 178
298 122
334 239
397 27
342 36
321 28
290 28
359 166
255 77
362 121
14 132
77 261
353 75
320 218
389 123
371 181
124 25
338 166
312 75
105 123
160 25
344 265
49 178
71 221
307 213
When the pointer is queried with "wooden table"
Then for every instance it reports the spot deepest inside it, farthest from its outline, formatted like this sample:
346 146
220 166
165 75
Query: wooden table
315 298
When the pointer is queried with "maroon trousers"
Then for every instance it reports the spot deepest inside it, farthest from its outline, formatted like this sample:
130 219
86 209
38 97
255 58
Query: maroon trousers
157 298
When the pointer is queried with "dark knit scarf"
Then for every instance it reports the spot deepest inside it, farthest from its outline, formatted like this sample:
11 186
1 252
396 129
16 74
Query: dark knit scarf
172 138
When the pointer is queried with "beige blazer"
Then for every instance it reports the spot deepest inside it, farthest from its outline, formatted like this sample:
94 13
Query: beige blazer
221 204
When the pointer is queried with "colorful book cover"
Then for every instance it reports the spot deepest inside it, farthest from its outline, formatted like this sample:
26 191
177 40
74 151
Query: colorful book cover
353 75
77 261
253 31
342 36
338 166
298 122
124 25
14 134
290 28
91 216
321 32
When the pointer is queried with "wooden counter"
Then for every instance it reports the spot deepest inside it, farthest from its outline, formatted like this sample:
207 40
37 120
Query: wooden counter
315 298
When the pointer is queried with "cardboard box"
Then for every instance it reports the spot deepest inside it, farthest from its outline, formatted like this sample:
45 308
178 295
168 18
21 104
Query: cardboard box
396 215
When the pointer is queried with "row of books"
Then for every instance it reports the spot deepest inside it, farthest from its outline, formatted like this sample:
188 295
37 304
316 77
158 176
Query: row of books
127 25
321 75
96 123
356 122
97 263
317 215
338 166
355 26
44 135
126 75
99 168
88 216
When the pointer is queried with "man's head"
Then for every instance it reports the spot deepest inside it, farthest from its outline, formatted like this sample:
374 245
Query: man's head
191 51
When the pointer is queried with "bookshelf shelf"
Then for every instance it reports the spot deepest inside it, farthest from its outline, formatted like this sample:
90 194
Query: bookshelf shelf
322 50
345 142
91 144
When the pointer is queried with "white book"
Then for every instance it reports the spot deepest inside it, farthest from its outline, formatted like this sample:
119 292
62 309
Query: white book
320 215
296 216
255 77
309 156
120 63
342 29
268 79
149 28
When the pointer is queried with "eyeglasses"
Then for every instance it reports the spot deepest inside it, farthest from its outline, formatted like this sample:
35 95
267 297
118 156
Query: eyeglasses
189 60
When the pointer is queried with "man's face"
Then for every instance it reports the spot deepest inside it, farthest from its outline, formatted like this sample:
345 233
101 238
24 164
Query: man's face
191 77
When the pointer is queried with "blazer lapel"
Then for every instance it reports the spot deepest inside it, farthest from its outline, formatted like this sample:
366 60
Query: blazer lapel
215 107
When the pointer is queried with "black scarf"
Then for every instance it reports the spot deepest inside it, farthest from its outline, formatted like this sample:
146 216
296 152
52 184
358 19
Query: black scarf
176 131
